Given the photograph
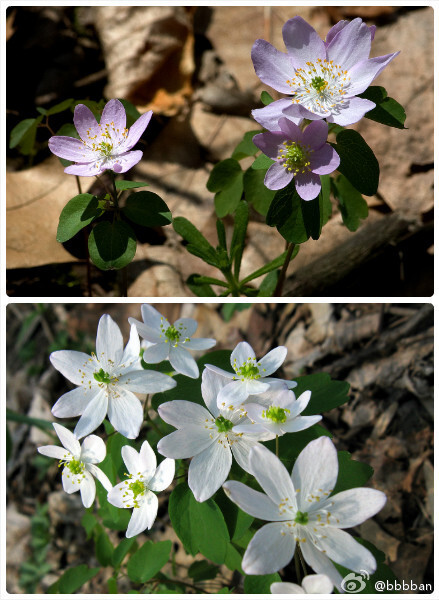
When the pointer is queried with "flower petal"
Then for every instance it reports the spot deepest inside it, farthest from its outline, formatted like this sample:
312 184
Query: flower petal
152 318
344 550
315 468
269 141
144 516
146 382
211 385
54 452
88 490
256 386
100 476
308 185
317 584
148 333
232 394
302 42
242 353
269 550
116 494
183 362
352 507
114 114
148 460
354 110
69 486
281 587
125 413
131 354
89 169
136 130
85 122
209 469
156 353
163 476
363 73
71 149
300 423
315 134
73 403
93 415
200 344
272 361
122 163
324 160
272 66
220 371
277 177
109 343
182 413
253 503
272 476
68 440
93 449
351 45
320 563
186 442
296 406
269 116
132 460
186 326
241 449
73 365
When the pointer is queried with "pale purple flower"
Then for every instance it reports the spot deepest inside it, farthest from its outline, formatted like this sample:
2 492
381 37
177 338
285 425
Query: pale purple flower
324 78
303 155
104 145
301 511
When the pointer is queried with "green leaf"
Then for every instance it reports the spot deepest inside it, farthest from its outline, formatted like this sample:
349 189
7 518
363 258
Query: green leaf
112 245
221 233
201 570
259 584
227 200
259 196
230 308
201 289
233 559
60 107
222 175
148 560
112 586
237 521
201 279
131 111
199 525
19 418
89 522
122 550
271 266
268 285
103 549
291 446
79 212
72 579
262 162
387 110
69 130
246 147
353 206
266 99
351 473
326 393
123 184
23 135
357 162
312 217
325 199
285 213
239 232
147 209
196 240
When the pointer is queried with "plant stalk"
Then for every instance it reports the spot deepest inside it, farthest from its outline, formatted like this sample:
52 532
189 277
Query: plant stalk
281 280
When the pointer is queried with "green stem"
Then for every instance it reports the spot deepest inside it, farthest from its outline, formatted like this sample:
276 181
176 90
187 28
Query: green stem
302 560
234 287
281 280
277 446
297 565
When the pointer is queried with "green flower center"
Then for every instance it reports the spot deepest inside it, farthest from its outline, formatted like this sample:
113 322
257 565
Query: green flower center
173 334
106 148
249 371
295 157
223 425
301 518
102 376
276 414
76 467
319 84
137 487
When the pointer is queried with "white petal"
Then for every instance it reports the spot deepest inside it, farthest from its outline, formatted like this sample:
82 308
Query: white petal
219 371
254 386
181 413
186 326
132 461
241 450
211 385
146 382
88 490
209 469
252 502
354 506
125 413
183 362
268 550
163 476
93 415
54 452
299 423
148 460
344 550
241 354
109 343
67 483
272 361
320 563
272 476
254 412
93 449
200 344
68 440
317 584
72 364
100 476
299 405
186 442
276 383
116 494
148 333
233 394
143 517
156 353
316 468
283 398
151 317
131 354
280 587
73 403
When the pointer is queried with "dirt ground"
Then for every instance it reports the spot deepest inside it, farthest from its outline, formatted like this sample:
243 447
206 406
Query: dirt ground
385 352
192 67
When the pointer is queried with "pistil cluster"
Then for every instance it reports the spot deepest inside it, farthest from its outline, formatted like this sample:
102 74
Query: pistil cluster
294 156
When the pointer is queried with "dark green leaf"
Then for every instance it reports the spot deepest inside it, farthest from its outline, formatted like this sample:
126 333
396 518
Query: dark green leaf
312 218
199 289
326 393
201 570
325 199
291 446
351 473
227 200
147 209
103 549
259 584
79 212
122 184
22 129
233 559
122 550
112 586
112 245
196 239
221 232
89 522
148 560
69 130
180 502
19 418
230 308
72 579
268 286
237 521
271 266
223 174
353 206
200 279
246 147
357 162
285 213
266 99
259 196
60 107
387 110
239 232
262 162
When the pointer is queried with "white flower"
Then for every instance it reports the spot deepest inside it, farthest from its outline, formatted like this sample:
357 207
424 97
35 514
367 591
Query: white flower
280 416
137 491
311 584
107 381
207 436
302 511
79 463
251 375
171 342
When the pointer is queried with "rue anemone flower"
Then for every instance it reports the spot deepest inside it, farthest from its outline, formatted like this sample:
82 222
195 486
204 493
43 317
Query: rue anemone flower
137 492
301 511
299 155
311 584
324 79
79 463
106 381
104 145
170 342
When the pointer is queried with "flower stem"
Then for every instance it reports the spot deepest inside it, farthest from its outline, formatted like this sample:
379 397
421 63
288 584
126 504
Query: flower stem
234 287
281 280
277 446
297 565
